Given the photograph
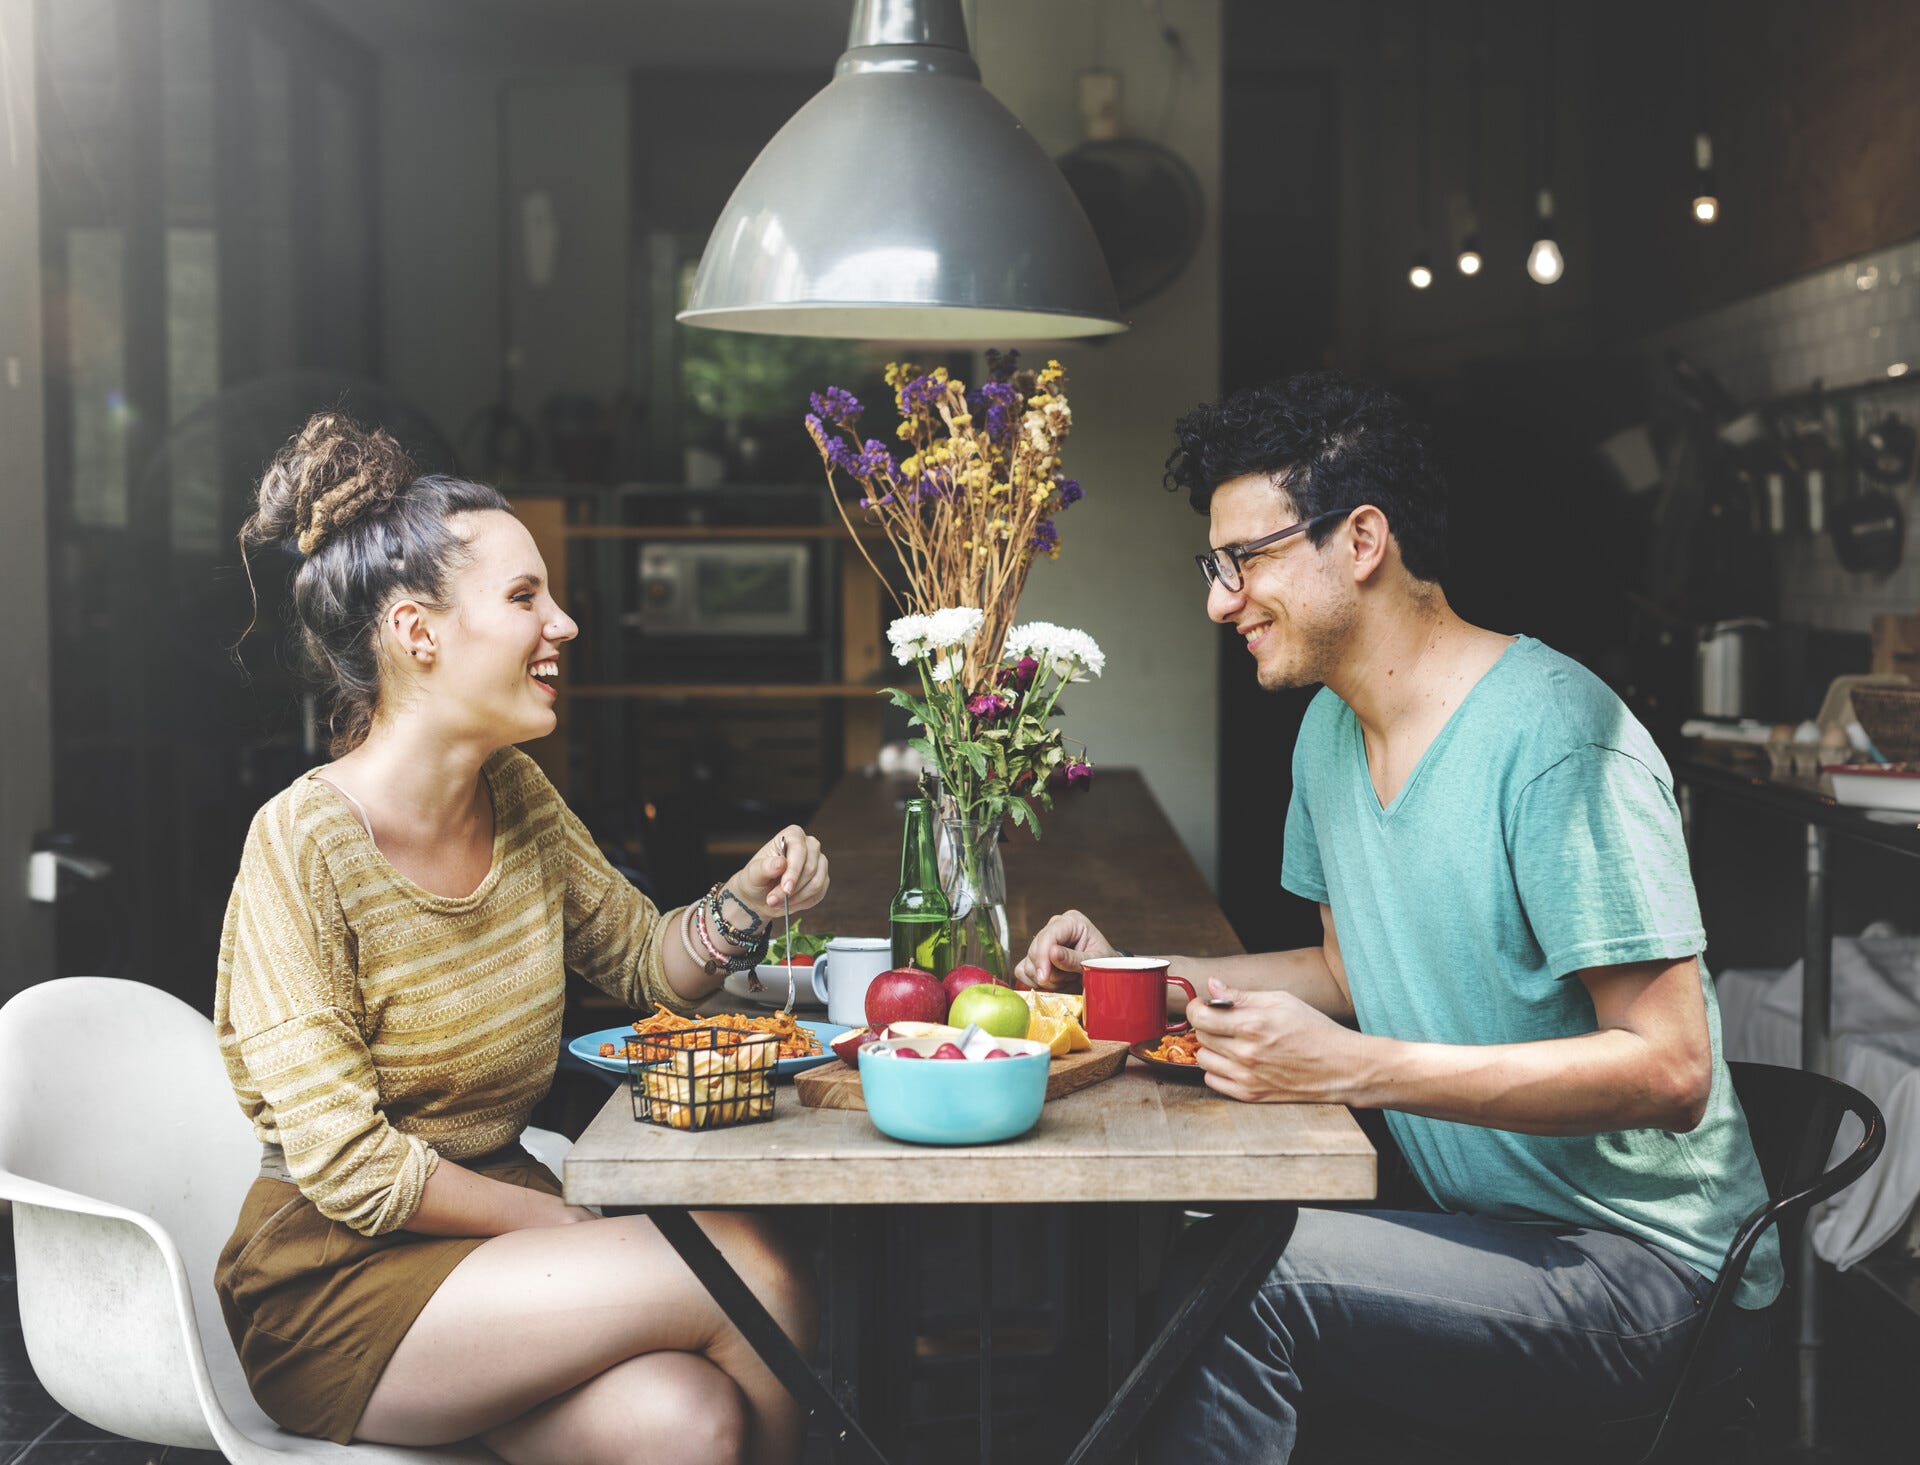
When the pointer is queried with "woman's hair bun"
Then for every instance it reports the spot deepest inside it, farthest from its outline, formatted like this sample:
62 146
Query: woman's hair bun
332 473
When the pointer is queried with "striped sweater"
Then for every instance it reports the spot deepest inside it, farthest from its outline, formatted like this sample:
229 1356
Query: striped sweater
370 1027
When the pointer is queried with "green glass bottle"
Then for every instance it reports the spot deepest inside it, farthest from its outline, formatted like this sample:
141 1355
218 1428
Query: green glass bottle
920 921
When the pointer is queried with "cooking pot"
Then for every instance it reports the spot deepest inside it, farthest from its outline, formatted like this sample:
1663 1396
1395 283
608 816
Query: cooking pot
1730 667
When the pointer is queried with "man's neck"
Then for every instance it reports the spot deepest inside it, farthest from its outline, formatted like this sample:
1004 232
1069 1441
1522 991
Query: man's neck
1413 668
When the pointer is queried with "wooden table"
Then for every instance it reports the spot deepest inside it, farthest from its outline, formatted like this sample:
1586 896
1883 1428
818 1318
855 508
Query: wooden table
1134 1138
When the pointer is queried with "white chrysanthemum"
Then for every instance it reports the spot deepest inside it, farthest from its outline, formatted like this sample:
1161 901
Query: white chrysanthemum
1078 646
911 637
1036 639
954 627
948 666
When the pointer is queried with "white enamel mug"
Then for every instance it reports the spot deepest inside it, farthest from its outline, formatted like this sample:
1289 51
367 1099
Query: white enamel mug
843 972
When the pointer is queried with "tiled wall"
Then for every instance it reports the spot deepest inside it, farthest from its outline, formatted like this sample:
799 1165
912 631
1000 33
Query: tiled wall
1856 324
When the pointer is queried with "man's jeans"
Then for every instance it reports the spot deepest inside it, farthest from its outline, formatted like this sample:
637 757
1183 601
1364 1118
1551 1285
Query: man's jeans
1450 1320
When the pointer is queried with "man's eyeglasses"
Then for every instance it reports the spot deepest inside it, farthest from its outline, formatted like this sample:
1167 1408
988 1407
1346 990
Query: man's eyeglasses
1227 564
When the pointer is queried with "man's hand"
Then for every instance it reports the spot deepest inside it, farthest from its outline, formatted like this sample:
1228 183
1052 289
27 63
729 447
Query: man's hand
1271 1048
1054 957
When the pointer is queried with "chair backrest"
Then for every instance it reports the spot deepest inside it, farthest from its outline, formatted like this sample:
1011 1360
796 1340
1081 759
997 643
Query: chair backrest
115 1089
1794 1118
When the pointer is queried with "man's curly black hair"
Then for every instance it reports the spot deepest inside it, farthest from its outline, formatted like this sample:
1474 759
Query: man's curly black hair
1330 443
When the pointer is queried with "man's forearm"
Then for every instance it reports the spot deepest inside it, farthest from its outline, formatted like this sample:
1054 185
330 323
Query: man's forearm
1591 1084
1304 973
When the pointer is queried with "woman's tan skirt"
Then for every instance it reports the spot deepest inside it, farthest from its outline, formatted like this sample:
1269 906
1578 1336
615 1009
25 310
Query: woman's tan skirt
316 1310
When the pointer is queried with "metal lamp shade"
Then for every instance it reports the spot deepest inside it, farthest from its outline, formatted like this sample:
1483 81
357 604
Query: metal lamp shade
903 203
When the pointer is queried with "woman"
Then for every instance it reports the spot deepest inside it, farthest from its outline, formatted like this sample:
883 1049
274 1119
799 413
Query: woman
389 1002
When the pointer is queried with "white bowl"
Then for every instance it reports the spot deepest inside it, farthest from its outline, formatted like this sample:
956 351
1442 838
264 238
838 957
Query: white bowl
774 976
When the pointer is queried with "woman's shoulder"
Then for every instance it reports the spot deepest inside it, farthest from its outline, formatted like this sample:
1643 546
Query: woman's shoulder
305 818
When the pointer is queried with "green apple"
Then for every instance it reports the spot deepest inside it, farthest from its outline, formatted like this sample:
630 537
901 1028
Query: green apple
999 1010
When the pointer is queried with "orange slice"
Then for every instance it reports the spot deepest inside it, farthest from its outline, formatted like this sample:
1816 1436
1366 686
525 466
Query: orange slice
1052 1031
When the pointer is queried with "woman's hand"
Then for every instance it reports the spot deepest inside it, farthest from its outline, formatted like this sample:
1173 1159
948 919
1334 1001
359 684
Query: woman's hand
1054 958
771 881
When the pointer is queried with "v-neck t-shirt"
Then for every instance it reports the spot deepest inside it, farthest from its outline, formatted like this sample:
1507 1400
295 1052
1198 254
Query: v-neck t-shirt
1537 836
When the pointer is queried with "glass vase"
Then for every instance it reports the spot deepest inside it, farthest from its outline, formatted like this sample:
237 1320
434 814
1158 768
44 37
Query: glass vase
975 883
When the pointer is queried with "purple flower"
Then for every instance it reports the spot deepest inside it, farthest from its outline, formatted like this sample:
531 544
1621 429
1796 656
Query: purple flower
921 392
874 461
1046 538
836 405
1020 674
1001 401
1070 491
989 706
1080 775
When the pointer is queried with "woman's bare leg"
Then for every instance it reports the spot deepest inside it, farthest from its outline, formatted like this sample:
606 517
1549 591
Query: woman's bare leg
659 1408
531 1315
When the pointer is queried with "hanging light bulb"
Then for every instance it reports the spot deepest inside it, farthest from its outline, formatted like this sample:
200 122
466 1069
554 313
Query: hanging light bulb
1543 260
1421 275
1706 206
1470 258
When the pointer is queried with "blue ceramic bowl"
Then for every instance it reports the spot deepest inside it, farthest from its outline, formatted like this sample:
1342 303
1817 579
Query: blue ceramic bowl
953 1101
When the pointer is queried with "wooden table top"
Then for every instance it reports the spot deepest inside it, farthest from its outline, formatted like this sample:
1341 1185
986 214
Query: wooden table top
1136 1137
1108 851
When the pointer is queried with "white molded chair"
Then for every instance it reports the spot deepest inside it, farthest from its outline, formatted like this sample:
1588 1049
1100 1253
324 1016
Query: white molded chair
125 1157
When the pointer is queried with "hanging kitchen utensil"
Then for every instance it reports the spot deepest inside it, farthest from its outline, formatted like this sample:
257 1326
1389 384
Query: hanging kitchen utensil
1887 450
1869 528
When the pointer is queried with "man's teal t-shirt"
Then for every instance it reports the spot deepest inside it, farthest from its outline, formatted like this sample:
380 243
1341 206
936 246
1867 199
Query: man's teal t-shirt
1536 837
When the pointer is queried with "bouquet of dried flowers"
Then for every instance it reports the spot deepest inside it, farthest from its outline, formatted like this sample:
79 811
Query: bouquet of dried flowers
973 501
967 510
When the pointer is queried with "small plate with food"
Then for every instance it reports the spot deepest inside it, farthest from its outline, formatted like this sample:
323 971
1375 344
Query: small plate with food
1172 1057
803 1044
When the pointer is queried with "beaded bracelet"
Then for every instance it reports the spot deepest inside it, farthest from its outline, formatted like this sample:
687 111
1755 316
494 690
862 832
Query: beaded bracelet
687 917
746 960
756 929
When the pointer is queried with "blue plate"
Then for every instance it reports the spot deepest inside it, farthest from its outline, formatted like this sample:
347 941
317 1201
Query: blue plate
587 1048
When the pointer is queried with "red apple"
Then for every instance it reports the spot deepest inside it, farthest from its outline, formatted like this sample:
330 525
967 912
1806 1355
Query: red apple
964 976
906 1052
905 994
948 1051
848 1045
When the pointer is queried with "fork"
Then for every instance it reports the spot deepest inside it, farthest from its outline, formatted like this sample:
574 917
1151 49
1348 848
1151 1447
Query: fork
786 934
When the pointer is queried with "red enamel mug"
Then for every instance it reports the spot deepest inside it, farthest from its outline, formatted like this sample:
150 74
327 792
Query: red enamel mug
1127 998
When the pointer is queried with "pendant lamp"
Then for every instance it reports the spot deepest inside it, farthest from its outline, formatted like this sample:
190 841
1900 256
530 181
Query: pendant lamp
903 203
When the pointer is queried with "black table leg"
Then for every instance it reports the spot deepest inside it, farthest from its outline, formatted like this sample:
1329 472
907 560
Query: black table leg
984 1220
1262 1232
763 1334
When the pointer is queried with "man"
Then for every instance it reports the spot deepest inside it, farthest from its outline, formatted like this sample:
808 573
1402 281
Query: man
1508 918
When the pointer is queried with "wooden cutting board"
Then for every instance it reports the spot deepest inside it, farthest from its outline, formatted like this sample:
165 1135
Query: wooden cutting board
836 1086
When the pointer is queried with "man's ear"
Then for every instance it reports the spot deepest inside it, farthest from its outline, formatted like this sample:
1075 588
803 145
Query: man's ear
1371 537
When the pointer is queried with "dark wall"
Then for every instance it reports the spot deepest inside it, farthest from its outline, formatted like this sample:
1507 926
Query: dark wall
1815 119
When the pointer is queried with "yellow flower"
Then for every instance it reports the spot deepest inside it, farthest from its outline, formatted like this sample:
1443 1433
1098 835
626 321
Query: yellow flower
905 430
910 467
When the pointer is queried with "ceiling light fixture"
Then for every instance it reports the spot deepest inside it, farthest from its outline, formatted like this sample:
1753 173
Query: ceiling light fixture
1420 276
904 203
1544 261
1471 256
1706 203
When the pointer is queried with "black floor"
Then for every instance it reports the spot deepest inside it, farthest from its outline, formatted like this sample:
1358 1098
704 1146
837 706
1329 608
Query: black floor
1870 1389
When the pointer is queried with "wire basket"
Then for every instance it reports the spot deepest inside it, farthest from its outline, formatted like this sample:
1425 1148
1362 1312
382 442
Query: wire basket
1891 717
701 1078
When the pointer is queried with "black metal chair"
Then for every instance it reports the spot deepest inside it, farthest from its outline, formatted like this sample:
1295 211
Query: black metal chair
1793 1117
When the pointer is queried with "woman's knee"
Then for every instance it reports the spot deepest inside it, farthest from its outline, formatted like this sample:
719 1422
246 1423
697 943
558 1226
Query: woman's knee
777 1271
673 1407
